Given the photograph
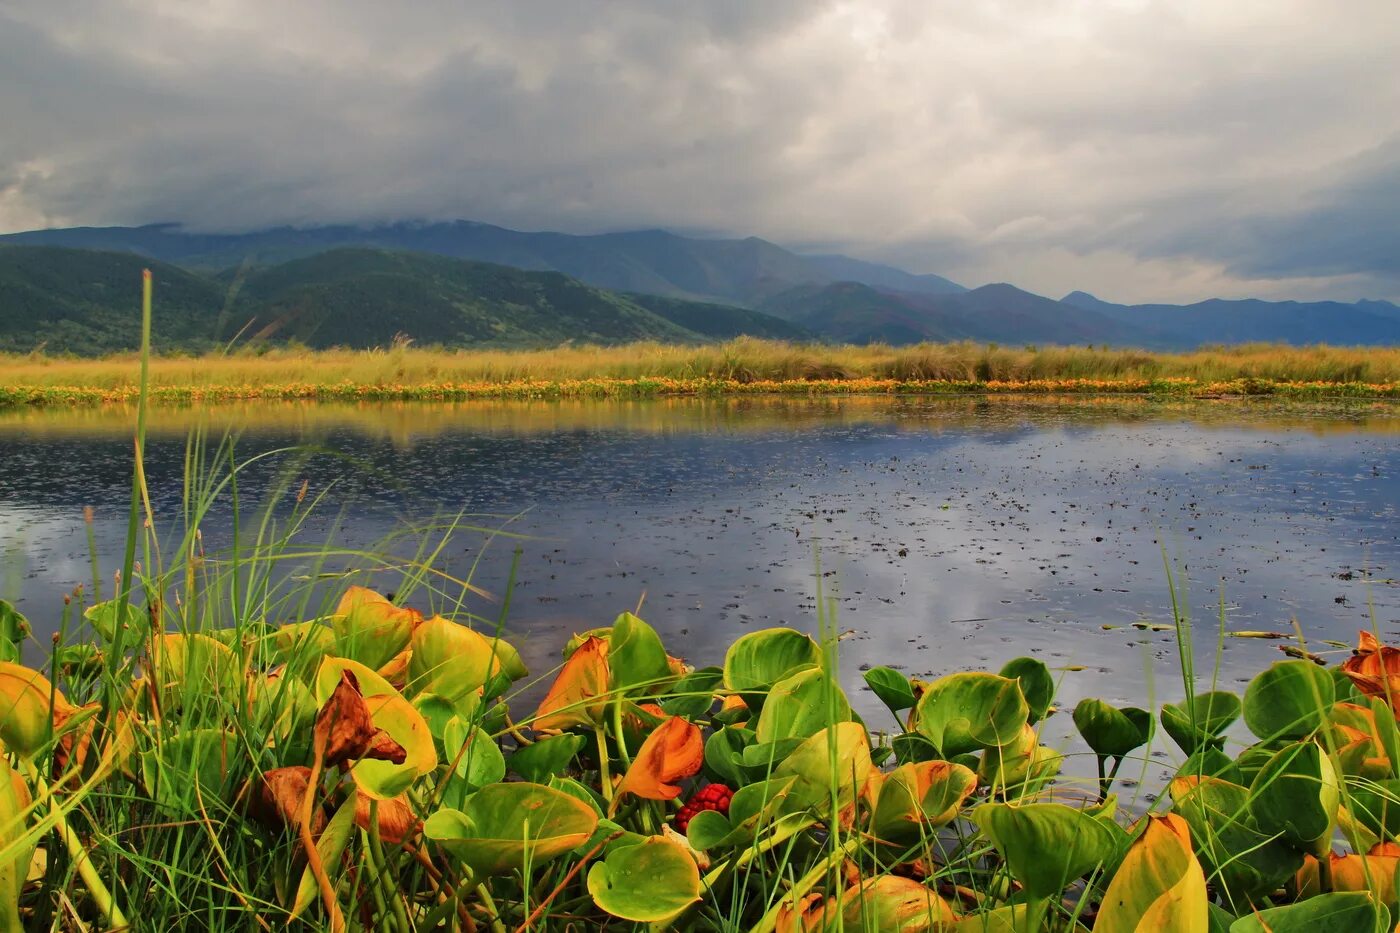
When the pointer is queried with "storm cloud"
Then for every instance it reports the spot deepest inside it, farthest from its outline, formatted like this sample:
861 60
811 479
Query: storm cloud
1145 151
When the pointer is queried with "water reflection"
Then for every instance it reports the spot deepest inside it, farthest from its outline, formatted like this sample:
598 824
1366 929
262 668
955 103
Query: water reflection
950 532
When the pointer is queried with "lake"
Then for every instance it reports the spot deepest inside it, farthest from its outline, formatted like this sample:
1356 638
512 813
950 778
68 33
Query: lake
948 533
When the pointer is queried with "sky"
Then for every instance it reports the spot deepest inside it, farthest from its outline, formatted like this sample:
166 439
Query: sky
1143 151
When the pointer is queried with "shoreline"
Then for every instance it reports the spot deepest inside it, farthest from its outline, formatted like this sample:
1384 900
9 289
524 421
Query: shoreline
602 388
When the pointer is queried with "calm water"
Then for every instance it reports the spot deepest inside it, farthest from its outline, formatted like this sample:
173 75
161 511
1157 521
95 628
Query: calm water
950 533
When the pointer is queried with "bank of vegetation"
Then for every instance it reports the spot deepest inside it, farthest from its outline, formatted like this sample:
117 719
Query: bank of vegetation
743 366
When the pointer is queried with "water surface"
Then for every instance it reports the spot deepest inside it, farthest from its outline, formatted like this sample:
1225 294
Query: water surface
947 533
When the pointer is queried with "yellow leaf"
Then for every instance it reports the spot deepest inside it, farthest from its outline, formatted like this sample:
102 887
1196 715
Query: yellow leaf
1159 886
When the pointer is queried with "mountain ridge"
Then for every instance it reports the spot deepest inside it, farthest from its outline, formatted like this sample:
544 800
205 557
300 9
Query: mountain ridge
815 293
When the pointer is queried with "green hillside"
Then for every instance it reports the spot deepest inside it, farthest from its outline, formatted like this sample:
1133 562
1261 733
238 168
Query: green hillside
87 302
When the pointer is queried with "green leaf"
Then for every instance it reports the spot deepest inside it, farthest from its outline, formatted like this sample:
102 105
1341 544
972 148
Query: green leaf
918 797
1112 732
504 826
546 757
14 628
478 760
724 754
892 688
190 772
647 883
1342 912
330 846
103 617
760 659
694 694
1037 685
1238 858
801 705
1296 795
1212 713
637 657
1288 700
751 809
1046 845
452 660
1376 805
968 711
837 759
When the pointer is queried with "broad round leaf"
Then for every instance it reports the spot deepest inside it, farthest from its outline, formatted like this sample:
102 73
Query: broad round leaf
1200 719
476 758
637 658
968 711
650 882
918 797
1288 700
892 903
1037 685
1046 845
837 757
504 826
547 757
758 660
892 687
1109 731
801 705
1348 912
450 659
1296 795
1244 861
369 628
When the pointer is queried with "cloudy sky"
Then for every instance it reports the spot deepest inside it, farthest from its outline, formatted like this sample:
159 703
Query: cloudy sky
1142 150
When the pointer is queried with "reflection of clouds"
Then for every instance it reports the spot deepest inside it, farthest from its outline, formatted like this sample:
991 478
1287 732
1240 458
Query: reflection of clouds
1050 532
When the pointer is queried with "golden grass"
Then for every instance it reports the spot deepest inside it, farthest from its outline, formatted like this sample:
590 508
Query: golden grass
646 369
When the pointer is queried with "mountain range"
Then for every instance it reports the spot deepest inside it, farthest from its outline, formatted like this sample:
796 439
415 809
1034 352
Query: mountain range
467 283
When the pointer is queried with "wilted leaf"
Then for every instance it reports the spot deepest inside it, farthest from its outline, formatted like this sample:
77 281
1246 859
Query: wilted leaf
674 751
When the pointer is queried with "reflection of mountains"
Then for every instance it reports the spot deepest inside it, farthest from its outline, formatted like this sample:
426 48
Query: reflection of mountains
408 424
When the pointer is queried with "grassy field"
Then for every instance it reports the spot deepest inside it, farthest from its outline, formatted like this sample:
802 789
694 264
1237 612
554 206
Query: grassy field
742 366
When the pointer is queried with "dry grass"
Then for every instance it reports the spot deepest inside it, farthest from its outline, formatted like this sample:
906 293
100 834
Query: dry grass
742 360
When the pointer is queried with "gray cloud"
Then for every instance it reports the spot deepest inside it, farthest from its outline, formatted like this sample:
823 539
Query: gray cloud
1145 150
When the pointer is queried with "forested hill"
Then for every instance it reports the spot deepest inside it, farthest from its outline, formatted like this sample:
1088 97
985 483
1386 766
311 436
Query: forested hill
87 302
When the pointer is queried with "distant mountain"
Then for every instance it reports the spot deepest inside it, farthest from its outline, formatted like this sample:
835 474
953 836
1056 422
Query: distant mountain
654 262
855 313
86 301
846 269
616 286
1223 321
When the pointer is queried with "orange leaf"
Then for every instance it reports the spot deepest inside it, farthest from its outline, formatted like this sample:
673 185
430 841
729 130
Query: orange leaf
345 729
396 819
578 696
674 751
1375 669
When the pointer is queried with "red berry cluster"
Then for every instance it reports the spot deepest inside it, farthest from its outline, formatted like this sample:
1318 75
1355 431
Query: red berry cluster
709 797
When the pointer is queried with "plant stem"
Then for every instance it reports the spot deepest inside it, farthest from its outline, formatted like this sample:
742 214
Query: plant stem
806 883
86 870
